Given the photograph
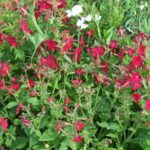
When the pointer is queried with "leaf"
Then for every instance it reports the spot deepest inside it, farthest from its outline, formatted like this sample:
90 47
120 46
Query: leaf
34 101
64 145
11 105
68 59
126 60
48 135
8 141
19 143
111 135
33 140
108 35
110 126
1 131
19 54
36 39
114 60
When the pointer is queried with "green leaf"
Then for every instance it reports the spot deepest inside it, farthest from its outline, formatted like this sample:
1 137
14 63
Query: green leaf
68 59
64 145
114 60
48 135
110 126
19 143
112 135
126 60
8 141
11 105
1 131
33 140
34 101
108 34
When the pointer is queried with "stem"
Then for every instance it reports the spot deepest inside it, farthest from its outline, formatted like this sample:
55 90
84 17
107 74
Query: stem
112 105
36 24
33 54
99 33
130 136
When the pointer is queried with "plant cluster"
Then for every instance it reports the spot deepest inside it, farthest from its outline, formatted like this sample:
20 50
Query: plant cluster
73 76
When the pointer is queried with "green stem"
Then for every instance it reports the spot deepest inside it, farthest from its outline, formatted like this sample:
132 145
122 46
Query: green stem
36 24
98 30
112 105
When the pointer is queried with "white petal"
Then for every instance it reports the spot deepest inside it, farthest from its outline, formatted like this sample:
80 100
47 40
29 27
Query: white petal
84 26
98 17
69 13
76 10
88 18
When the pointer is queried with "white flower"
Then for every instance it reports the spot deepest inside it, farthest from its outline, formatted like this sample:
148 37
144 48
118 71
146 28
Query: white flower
98 17
88 18
81 24
69 13
76 10
142 7
84 26
80 21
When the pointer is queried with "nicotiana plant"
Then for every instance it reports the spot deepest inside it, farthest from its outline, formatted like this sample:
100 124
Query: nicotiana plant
69 82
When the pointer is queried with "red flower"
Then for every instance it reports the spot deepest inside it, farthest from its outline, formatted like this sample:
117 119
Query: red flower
24 27
50 62
50 99
14 79
11 40
66 108
4 69
77 54
113 45
136 97
79 126
119 83
65 19
137 62
121 31
51 44
13 87
140 37
104 66
97 51
148 80
130 51
67 101
142 50
80 71
90 33
78 139
82 41
23 10
77 82
121 53
147 105
1 38
31 83
136 81
4 124
62 4
20 107
25 121
68 44
34 93
59 126
2 84
44 5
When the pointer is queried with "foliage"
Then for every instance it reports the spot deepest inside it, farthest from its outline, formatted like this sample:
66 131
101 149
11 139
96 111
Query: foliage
74 82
